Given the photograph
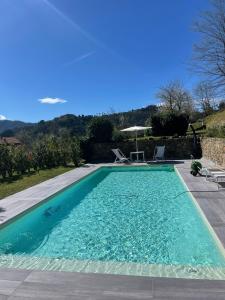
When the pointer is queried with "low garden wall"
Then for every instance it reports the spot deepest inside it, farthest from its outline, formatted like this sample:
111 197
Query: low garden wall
214 149
176 148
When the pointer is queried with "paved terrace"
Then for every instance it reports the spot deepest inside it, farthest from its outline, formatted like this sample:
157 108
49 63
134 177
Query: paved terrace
29 284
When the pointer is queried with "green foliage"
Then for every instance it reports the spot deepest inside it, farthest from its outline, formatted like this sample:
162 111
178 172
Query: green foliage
22 161
132 117
74 125
218 132
75 151
86 147
169 124
6 161
7 133
100 130
118 136
48 152
195 167
12 125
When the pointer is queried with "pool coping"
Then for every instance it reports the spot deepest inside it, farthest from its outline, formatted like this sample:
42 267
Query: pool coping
57 184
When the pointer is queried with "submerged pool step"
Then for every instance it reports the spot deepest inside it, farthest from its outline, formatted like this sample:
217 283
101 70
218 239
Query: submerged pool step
111 267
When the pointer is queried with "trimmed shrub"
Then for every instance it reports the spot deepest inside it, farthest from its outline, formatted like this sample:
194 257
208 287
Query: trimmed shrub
169 124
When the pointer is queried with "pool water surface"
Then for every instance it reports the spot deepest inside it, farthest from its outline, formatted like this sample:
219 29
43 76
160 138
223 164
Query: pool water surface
123 214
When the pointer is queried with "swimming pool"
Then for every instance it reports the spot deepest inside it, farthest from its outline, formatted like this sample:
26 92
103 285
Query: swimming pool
117 215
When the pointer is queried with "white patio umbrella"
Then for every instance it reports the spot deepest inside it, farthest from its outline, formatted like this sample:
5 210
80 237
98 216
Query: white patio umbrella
135 129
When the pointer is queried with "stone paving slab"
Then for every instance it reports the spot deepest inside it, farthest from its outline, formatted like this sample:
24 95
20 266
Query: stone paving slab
61 285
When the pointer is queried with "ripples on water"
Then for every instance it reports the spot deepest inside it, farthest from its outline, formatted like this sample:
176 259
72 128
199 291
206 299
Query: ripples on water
122 215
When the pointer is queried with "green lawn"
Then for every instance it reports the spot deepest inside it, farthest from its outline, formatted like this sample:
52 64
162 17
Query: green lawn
19 183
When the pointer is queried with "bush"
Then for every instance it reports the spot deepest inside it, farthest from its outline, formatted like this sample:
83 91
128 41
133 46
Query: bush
48 152
86 148
195 167
22 161
75 151
169 124
100 130
118 136
6 161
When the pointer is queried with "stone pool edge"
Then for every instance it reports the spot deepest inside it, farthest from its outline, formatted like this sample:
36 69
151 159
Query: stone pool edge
186 272
202 215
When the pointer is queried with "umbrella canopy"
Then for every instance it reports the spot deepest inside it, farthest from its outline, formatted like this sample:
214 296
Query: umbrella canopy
135 129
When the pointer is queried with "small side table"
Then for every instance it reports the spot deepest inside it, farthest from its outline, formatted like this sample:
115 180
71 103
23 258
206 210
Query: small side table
137 153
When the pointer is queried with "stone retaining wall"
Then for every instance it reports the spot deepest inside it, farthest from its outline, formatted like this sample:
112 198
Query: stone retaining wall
177 148
214 149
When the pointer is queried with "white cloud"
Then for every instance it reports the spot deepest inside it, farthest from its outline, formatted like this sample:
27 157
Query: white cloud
51 100
2 118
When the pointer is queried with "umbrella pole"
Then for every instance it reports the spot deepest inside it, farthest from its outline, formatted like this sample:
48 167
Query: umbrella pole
137 147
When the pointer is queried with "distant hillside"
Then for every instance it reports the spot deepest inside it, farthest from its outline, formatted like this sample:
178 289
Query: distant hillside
77 125
132 117
216 119
11 125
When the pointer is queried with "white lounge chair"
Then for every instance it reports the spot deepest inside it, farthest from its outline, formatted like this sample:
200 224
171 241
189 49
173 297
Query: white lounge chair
219 178
159 152
120 157
216 175
212 172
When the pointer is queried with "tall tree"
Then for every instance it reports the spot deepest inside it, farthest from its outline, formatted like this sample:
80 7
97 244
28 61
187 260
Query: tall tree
205 97
175 98
100 130
209 53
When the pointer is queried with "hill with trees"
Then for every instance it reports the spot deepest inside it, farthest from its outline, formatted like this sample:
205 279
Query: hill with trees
6 125
75 125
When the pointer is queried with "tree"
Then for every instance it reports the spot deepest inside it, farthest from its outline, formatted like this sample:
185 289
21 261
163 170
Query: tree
7 133
205 97
221 105
175 98
75 151
169 124
100 130
21 160
6 161
209 53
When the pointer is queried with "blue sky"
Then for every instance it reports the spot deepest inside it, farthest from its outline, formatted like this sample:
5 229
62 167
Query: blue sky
91 56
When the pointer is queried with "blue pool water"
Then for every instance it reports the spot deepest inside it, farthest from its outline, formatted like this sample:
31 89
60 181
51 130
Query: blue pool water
122 214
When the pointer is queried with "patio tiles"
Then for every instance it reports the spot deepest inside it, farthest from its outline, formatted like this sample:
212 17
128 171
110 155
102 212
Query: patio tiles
61 285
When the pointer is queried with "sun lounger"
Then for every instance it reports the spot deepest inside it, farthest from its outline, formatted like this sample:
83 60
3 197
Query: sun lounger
212 172
120 157
159 152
